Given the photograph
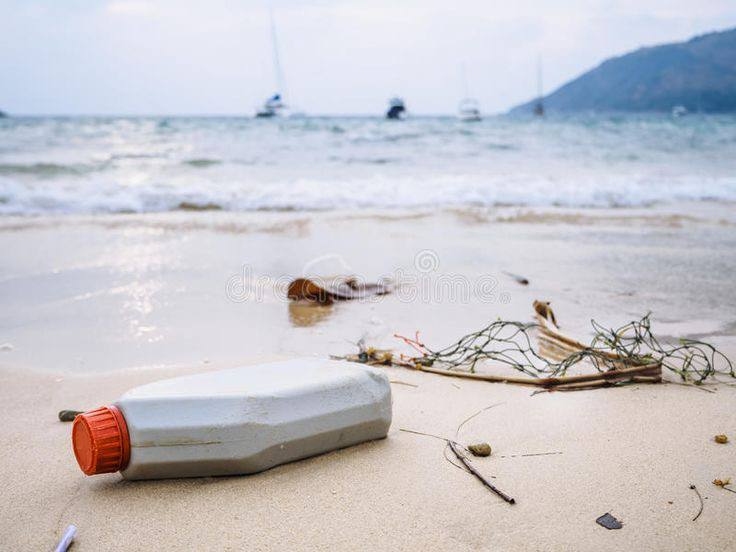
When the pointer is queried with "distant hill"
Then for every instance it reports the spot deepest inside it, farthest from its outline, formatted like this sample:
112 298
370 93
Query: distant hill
699 74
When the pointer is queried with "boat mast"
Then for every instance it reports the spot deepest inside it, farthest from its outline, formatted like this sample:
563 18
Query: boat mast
464 81
278 74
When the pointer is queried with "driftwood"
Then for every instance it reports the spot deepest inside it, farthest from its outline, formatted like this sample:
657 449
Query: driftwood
649 373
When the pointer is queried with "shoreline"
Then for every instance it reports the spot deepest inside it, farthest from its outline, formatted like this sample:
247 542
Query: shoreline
688 210
109 292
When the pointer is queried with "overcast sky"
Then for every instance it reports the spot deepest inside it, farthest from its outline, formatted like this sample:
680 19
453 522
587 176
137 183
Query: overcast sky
214 56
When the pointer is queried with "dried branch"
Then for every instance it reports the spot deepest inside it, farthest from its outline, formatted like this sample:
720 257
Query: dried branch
477 474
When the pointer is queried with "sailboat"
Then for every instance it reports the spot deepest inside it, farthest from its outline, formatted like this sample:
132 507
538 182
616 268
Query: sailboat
274 106
469 108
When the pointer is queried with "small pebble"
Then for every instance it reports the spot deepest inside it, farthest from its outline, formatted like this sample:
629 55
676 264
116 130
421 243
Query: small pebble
480 449
68 415
721 439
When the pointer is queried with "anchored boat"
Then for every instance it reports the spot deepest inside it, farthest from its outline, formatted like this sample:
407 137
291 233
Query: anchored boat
469 110
396 109
272 107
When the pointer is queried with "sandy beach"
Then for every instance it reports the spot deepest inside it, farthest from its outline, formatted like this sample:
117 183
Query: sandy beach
95 305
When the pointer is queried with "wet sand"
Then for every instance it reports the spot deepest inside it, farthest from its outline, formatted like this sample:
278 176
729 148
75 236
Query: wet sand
95 305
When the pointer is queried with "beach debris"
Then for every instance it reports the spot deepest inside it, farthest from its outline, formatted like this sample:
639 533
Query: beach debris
518 279
399 382
337 288
282 411
414 432
67 539
483 448
510 343
550 453
368 355
466 462
68 415
609 522
723 484
721 439
480 449
700 499
543 309
628 354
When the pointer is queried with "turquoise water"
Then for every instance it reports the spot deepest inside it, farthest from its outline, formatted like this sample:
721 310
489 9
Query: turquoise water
155 164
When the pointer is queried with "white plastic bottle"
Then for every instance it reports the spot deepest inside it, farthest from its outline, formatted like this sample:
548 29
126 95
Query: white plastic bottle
237 421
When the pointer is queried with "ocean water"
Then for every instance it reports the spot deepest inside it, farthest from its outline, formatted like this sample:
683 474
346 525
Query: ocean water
156 164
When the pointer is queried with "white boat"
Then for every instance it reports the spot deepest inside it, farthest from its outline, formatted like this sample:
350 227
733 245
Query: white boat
469 110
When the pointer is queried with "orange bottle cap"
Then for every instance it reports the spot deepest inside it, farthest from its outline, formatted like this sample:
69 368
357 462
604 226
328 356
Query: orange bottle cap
101 441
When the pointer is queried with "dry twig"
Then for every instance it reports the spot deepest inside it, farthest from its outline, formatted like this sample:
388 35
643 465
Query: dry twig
477 474
700 498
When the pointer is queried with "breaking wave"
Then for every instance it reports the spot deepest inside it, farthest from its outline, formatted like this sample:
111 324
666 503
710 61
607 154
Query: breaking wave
303 194
128 165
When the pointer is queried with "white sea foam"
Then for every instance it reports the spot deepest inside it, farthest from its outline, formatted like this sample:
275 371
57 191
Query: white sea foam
143 165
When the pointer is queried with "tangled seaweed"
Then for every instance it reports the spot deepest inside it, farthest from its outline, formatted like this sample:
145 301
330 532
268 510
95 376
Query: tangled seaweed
632 344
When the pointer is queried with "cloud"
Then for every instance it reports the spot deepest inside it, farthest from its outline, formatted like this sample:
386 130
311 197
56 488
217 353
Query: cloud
135 8
338 56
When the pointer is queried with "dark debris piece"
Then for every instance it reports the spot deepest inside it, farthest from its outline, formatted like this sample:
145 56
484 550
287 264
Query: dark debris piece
609 522
68 415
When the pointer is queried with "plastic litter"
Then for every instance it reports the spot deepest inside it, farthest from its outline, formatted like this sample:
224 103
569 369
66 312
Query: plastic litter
338 288
66 539
237 421
609 522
